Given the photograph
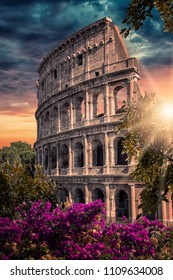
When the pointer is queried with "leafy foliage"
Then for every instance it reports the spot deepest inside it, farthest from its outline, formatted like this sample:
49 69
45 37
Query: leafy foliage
19 153
17 185
149 141
44 232
139 10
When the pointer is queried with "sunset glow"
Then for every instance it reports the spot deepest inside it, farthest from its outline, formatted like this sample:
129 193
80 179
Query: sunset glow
29 32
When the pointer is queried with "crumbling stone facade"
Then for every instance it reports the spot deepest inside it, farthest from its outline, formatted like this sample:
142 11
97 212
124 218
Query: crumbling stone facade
81 89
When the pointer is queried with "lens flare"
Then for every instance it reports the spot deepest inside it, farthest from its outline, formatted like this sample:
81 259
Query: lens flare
167 111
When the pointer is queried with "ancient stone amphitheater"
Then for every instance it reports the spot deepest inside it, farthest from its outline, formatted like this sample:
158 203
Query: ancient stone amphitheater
82 86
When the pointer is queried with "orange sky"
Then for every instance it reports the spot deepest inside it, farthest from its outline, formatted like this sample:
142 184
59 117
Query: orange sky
158 80
17 121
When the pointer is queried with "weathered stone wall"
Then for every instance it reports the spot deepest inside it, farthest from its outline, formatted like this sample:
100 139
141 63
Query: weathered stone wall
82 85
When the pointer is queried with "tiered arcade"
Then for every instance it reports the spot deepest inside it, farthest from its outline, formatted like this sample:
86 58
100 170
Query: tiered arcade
82 87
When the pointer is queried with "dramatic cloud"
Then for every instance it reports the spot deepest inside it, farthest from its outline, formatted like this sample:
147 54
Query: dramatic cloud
30 29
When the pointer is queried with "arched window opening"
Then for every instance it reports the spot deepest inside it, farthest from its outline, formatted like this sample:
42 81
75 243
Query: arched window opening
79 60
47 117
78 155
120 94
40 157
100 105
121 156
64 197
98 194
64 156
46 159
79 196
55 117
79 109
53 158
122 207
65 114
41 121
97 153
55 74
40 126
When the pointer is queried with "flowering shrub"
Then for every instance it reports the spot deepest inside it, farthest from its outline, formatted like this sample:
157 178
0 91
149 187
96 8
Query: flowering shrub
80 232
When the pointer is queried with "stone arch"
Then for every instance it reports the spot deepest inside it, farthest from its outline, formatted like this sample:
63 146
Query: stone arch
120 97
97 153
98 105
78 155
65 114
46 159
55 118
41 123
122 204
79 196
64 155
120 156
40 157
53 158
47 121
64 196
98 194
79 109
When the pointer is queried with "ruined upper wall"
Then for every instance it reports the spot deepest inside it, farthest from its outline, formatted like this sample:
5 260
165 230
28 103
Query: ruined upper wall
94 50
101 32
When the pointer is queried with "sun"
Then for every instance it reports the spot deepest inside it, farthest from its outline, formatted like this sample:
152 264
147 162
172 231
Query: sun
167 111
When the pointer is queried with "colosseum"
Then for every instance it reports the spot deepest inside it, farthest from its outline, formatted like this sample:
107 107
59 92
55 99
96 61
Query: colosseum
82 86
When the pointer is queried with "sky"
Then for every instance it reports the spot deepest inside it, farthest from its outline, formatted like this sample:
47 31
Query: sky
30 29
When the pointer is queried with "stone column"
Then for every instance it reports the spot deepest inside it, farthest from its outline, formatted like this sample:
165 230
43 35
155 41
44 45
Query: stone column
59 117
163 212
89 152
107 203
111 102
86 153
106 50
87 63
112 204
106 154
71 71
57 162
70 157
49 169
38 128
94 106
133 204
90 106
71 113
87 111
106 99
89 193
86 194
111 154
131 96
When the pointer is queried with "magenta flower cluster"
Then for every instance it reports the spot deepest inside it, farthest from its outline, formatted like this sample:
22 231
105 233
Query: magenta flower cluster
80 232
